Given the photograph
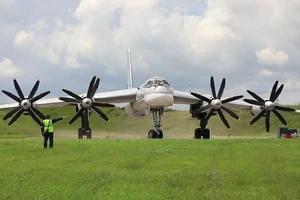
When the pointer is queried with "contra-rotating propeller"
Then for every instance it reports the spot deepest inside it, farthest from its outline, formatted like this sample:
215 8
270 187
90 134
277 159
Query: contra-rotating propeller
25 103
215 104
86 102
268 106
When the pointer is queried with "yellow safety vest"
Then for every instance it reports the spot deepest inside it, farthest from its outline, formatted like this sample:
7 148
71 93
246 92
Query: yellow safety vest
48 125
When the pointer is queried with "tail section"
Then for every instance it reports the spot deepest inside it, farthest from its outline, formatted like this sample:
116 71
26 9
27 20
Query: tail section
129 75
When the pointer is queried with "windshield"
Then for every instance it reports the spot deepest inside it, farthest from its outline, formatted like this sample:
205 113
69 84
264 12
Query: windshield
154 82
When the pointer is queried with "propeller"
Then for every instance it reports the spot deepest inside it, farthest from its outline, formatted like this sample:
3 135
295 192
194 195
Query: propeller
268 106
215 103
86 102
25 103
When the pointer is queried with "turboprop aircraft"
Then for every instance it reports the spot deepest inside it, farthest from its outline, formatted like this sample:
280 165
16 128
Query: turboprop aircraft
152 97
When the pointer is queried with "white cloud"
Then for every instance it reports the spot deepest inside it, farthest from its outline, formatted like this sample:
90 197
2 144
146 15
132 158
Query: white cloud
269 56
9 69
23 38
185 41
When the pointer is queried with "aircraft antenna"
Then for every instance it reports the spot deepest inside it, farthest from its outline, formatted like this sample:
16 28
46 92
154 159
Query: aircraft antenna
129 73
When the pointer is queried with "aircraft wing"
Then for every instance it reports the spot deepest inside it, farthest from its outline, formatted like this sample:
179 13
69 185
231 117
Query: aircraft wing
186 98
39 103
118 96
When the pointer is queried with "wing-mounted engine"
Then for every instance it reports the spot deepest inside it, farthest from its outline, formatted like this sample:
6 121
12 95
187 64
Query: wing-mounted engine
214 105
137 109
26 104
255 110
268 106
84 106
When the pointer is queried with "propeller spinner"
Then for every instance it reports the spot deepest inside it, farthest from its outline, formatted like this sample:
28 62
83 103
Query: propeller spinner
216 104
25 103
268 106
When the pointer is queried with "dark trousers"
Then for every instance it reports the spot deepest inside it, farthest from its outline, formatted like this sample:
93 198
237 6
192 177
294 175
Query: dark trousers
50 137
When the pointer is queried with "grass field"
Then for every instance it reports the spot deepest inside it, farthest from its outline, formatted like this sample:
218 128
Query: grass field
150 169
118 168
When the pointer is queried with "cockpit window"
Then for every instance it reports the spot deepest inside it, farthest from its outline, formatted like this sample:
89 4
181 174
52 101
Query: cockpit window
156 82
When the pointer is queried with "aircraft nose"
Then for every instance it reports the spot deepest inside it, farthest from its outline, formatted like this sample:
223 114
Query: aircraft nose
159 99
161 89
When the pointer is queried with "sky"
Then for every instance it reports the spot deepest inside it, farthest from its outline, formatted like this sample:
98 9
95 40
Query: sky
65 43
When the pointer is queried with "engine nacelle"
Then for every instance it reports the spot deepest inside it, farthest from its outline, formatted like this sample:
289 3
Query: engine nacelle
137 109
255 110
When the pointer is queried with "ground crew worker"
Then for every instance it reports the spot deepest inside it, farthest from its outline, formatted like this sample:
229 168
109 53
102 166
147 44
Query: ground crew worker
48 130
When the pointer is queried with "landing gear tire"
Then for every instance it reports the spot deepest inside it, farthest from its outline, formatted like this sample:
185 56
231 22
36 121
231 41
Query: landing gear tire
160 135
152 134
80 135
89 134
205 134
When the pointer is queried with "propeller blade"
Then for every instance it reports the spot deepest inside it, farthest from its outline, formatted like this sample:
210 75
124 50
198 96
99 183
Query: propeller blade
14 97
32 100
72 94
36 111
76 115
255 96
100 113
223 118
231 113
279 117
273 92
199 110
254 102
34 89
36 119
267 121
199 96
213 89
278 92
16 116
221 90
257 117
232 99
284 108
103 104
19 91
12 112
209 114
91 86
95 87
70 100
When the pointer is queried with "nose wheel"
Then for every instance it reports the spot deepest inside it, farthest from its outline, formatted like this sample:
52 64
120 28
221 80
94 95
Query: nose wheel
156 132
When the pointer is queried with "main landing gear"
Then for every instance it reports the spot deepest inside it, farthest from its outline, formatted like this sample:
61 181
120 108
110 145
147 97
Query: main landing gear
202 132
156 132
85 127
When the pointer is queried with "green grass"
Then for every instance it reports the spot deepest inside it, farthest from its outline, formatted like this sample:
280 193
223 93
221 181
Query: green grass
150 169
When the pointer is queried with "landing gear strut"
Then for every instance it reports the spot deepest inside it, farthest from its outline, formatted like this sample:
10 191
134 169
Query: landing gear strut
202 131
85 127
156 132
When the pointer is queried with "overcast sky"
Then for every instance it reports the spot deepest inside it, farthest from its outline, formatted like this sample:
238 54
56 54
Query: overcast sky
63 43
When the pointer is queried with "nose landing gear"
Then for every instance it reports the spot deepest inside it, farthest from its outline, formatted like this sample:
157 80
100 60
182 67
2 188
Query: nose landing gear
156 132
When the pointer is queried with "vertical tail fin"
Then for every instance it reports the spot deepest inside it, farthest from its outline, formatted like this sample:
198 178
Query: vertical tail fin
129 73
